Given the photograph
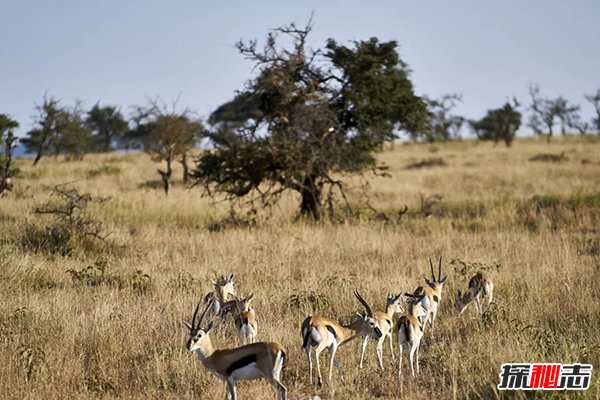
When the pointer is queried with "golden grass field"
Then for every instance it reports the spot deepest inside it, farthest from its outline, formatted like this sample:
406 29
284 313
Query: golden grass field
535 225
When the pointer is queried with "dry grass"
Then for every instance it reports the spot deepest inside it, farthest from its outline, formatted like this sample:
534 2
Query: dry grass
120 336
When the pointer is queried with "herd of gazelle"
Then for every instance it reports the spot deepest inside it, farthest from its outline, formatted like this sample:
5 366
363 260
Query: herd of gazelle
255 360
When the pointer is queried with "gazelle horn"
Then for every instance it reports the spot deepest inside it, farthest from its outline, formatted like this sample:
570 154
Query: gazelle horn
364 303
431 266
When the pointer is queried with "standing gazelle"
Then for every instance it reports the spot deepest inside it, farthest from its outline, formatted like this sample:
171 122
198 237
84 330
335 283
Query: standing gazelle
433 294
409 331
223 291
244 318
384 319
478 284
252 361
326 333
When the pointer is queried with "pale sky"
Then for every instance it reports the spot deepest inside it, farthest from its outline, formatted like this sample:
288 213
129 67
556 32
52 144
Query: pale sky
121 52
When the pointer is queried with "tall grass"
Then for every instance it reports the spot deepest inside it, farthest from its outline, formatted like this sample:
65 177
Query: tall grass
108 325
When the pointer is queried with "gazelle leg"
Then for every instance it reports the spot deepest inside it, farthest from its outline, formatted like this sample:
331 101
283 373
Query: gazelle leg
310 366
411 356
380 351
431 321
399 359
391 345
332 351
281 390
231 392
362 351
417 355
318 351
478 304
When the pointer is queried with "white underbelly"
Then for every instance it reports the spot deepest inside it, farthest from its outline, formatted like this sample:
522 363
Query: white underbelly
248 372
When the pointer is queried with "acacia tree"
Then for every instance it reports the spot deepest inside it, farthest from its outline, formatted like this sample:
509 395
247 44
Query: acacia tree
595 100
499 124
50 120
168 135
7 141
107 124
308 118
444 124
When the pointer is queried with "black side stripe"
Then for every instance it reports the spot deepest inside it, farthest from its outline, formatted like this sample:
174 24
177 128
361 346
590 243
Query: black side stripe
241 363
330 329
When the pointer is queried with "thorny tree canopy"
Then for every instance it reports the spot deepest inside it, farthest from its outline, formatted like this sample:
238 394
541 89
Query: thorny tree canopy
306 118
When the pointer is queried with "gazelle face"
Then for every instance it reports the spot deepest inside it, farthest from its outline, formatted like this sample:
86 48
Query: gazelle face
224 288
370 326
197 337
396 303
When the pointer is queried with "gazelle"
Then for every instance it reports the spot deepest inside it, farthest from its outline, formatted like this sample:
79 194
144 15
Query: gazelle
223 292
409 331
384 320
433 294
325 333
478 284
244 318
252 361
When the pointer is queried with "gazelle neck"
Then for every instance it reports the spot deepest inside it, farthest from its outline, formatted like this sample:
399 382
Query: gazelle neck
350 331
390 310
206 350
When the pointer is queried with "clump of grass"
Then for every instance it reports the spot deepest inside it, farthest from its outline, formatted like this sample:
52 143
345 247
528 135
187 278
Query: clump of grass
71 225
427 163
109 170
97 275
549 157
33 360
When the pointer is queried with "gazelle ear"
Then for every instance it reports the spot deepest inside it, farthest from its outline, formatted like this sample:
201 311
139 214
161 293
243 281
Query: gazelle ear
187 325
250 298
230 279
427 281
444 280
209 327
213 281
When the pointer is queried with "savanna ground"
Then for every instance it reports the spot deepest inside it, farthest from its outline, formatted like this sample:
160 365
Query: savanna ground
114 330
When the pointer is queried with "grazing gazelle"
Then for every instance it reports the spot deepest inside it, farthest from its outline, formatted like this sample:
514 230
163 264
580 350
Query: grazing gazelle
433 294
326 333
244 318
223 292
252 361
384 320
478 284
409 331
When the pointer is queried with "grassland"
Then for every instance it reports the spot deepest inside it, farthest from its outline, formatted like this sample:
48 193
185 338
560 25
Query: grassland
114 330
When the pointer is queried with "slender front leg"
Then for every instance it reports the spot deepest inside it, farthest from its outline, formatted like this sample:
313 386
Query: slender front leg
380 351
411 356
318 351
417 355
391 345
399 359
362 351
478 304
332 351
310 367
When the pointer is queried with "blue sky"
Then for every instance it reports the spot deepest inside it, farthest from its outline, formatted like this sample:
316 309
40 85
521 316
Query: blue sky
121 52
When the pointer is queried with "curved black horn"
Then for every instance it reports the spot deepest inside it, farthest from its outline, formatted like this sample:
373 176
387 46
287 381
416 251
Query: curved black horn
364 303
440 269
431 267
209 305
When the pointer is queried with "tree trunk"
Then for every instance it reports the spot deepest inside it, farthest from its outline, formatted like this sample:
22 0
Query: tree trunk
166 176
311 198
186 170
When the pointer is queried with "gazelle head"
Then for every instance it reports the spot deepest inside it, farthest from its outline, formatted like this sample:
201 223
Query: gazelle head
436 283
224 288
238 305
394 302
368 324
198 335
415 306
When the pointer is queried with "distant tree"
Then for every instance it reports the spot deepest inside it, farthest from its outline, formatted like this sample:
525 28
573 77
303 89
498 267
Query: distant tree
107 124
543 112
170 135
565 112
595 100
7 141
444 124
307 118
48 123
75 138
499 124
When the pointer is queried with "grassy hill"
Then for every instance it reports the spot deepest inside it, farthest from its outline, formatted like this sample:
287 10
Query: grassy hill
105 320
